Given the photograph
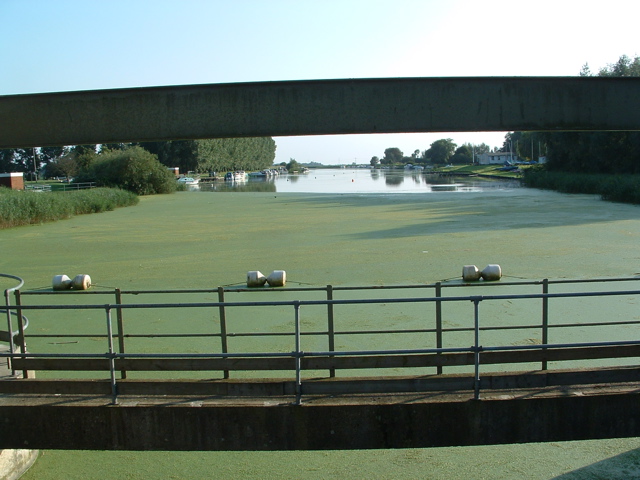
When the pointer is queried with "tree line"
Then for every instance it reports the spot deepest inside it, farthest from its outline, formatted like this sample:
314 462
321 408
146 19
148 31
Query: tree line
200 156
215 155
440 152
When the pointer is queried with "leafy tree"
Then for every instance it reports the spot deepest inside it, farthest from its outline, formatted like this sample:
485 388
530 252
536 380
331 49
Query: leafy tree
440 151
114 146
585 71
215 155
48 158
84 149
391 156
227 154
526 145
375 161
66 166
624 67
293 165
462 156
84 155
50 154
6 160
479 149
134 169
415 158
25 160
178 153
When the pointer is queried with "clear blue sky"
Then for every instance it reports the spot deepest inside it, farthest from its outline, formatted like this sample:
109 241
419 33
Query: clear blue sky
61 45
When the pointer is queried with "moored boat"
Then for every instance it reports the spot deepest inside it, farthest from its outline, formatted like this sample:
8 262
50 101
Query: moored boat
189 180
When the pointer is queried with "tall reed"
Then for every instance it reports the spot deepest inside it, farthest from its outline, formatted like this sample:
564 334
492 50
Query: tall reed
615 188
24 207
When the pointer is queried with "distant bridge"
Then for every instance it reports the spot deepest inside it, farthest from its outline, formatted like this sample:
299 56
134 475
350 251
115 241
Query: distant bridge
245 382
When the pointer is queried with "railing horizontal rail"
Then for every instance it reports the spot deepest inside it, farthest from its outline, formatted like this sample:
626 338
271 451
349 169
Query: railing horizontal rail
363 301
338 332
318 361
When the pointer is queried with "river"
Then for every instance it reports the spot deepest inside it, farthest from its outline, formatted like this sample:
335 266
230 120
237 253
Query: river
361 180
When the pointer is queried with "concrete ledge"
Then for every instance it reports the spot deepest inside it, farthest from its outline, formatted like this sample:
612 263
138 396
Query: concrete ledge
13 463
423 419
236 388
342 413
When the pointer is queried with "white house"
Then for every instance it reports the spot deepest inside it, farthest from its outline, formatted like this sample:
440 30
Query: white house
497 158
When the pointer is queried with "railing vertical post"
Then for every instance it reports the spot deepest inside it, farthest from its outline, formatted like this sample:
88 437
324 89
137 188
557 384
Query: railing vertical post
223 325
439 323
23 345
7 301
477 348
123 372
330 326
112 362
545 317
298 354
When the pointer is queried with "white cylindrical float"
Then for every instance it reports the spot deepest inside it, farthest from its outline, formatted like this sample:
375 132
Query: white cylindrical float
255 278
81 282
492 273
470 273
277 278
61 282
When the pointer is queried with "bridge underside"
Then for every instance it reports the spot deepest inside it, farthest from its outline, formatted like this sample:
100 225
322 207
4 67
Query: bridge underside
234 415
320 107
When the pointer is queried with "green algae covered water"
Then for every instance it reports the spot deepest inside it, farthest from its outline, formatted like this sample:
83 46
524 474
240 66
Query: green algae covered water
611 459
206 239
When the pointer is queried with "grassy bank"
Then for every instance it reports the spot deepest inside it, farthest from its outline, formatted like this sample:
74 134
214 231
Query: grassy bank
25 208
615 188
482 170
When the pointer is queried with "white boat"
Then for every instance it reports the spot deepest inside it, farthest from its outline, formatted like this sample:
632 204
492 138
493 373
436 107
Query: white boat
189 180
238 176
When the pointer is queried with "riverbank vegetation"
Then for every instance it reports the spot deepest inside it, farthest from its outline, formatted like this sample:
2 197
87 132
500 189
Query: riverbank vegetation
615 188
133 169
440 153
25 208
198 156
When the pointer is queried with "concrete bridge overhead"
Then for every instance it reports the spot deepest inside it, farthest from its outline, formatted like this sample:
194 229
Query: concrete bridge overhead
320 107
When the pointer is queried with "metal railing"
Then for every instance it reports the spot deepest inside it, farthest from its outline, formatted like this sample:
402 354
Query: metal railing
7 301
38 188
119 357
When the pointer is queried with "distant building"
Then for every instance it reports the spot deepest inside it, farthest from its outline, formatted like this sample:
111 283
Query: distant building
14 181
497 158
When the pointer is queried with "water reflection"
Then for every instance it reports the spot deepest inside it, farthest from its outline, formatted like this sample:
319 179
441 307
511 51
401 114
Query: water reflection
360 180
